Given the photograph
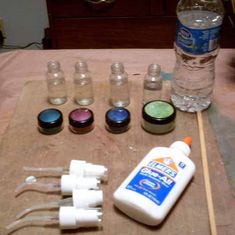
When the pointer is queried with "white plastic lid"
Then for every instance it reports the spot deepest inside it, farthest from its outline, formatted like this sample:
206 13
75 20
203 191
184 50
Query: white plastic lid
71 182
84 198
67 217
97 171
77 167
71 217
84 169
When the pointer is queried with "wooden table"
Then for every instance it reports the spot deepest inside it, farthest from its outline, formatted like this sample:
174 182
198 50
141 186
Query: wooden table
22 144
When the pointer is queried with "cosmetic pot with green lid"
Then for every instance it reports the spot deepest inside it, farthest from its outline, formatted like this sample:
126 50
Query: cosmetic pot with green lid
158 117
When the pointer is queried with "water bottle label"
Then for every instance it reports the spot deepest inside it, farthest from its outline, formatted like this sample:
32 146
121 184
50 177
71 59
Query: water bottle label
197 41
155 180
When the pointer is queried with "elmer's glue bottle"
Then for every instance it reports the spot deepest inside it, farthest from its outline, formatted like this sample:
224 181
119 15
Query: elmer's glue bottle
153 187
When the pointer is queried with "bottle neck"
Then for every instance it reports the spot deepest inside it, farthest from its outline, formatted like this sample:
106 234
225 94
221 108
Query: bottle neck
53 67
81 67
154 70
117 68
215 6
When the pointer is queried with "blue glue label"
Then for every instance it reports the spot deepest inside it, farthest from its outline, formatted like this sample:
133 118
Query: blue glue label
154 181
197 41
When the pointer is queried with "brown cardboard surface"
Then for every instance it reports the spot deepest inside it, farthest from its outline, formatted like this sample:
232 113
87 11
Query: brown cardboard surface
23 145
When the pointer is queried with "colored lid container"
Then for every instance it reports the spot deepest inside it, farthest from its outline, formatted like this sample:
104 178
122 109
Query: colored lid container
81 120
158 117
50 121
117 120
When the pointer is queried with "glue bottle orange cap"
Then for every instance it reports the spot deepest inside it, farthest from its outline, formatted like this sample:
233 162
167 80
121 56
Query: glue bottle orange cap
188 140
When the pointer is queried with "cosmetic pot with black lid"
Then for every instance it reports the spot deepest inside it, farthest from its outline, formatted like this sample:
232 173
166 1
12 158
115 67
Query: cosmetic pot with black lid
158 117
81 120
50 121
117 120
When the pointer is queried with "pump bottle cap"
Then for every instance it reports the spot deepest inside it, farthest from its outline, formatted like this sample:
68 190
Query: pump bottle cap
77 167
71 182
71 217
84 198
84 169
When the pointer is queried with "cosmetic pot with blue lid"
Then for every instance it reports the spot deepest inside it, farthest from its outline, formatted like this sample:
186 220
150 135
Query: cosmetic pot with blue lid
50 121
158 117
117 120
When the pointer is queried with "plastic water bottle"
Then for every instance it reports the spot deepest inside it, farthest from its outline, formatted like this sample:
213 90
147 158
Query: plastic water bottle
196 46
119 88
56 84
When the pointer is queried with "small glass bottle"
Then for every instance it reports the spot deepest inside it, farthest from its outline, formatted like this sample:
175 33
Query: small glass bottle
83 87
152 83
56 83
119 88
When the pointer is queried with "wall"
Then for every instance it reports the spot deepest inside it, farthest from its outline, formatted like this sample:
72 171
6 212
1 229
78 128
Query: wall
24 20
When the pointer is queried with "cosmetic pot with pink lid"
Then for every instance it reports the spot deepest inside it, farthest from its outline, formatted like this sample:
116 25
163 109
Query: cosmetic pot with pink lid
81 121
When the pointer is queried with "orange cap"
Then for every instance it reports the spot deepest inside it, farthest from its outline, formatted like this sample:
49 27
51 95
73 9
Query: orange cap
188 140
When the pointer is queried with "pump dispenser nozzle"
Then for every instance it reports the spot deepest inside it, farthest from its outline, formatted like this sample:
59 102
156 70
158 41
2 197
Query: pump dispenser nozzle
44 206
32 221
77 167
81 198
67 218
67 184
31 183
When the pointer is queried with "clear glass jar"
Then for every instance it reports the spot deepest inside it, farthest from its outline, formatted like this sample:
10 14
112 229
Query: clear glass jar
56 83
119 87
152 83
83 86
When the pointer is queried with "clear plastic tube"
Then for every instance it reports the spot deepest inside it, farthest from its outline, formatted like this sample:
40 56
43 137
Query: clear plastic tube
44 206
32 221
47 170
32 184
